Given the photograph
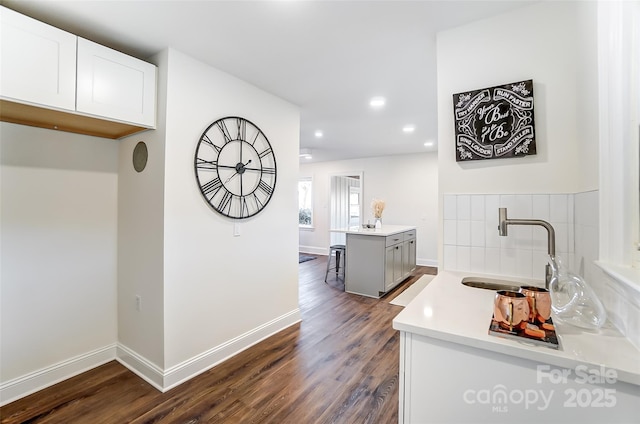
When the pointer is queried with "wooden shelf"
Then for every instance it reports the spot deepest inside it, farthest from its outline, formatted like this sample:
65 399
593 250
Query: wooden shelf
35 116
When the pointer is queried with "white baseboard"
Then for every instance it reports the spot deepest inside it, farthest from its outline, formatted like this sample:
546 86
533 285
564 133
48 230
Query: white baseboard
312 250
162 380
30 383
207 360
427 262
141 366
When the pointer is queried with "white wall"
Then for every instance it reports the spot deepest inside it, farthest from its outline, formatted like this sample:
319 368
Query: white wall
83 234
141 240
408 184
550 42
58 259
218 287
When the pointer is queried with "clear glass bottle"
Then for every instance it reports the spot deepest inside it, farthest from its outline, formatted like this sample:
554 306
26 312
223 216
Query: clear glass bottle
572 300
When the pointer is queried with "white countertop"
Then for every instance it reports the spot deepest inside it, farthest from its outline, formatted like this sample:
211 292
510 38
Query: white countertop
386 230
450 311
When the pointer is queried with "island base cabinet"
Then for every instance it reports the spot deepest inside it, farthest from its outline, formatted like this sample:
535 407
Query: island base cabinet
366 265
445 382
376 264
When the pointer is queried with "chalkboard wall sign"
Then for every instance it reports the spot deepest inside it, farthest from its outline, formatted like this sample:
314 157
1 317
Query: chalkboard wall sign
495 123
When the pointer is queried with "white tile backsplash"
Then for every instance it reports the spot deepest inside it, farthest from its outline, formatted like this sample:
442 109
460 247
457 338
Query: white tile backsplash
508 201
472 244
522 236
508 263
558 208
523 206
450 254
540 207
539 260
463 233
524 259
477 233
491 205
463 258
492 260
477 260
450 203
586 208
562 239
540 239
491 236
477 207
463 207
523 252
450 232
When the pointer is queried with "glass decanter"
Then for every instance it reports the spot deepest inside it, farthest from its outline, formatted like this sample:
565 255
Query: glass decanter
572 300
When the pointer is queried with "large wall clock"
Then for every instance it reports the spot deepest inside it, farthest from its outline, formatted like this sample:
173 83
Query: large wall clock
235 167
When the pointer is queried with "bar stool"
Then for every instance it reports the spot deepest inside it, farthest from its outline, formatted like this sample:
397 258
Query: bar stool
340 251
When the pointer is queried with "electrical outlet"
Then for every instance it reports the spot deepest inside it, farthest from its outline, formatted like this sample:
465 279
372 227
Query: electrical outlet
138 303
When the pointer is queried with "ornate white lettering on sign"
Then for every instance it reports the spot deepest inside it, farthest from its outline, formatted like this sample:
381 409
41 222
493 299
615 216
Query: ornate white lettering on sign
495 122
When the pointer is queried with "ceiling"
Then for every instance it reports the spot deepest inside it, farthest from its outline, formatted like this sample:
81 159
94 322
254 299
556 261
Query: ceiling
327 57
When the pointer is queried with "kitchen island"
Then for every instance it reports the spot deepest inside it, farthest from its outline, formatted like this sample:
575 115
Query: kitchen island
452 370
378 259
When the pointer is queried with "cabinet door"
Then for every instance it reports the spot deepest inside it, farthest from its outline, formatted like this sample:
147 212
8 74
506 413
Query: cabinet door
406 255
409 256
412 255
389 258
38 62
397 263
114 85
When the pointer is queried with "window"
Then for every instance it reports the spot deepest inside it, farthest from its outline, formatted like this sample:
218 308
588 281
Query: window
305 202
619 86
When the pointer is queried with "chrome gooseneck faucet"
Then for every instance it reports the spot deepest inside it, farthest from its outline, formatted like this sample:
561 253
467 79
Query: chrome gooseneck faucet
504 222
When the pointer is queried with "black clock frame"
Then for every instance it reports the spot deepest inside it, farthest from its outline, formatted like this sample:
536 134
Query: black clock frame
222 182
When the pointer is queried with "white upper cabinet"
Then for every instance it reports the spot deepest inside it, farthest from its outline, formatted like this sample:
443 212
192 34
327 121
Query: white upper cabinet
114 85
37 62
50 78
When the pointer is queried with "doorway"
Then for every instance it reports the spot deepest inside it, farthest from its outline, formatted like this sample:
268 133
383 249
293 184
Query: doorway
345 204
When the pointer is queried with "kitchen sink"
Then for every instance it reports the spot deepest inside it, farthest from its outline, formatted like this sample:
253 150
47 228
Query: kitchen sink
490 284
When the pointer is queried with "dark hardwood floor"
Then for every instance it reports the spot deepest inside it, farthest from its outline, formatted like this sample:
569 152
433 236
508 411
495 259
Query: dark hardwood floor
339 365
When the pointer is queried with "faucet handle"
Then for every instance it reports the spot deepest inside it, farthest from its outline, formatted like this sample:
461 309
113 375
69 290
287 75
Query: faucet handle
502 222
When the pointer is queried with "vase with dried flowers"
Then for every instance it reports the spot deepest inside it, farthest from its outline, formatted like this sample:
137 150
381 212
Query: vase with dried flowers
377 206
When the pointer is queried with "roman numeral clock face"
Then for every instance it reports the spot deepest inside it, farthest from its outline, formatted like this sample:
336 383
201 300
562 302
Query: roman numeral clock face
235 167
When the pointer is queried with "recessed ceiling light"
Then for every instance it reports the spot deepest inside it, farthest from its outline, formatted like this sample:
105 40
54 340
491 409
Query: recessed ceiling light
377 102
408 128
318 134
428 144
